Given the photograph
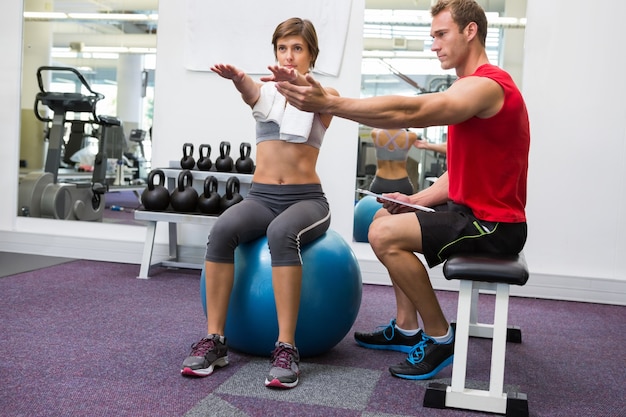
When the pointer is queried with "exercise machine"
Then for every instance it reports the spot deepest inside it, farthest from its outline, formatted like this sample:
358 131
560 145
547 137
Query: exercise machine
137 158
45 194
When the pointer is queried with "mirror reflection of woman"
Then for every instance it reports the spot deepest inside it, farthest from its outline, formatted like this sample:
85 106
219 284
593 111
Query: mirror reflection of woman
392 150
285 202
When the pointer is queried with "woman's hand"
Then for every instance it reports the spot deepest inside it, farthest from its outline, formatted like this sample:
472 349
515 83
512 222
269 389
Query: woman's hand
281 74
248 88
229 72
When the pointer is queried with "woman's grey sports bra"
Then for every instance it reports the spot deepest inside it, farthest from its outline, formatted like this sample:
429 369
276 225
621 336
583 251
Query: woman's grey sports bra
271 131
397 152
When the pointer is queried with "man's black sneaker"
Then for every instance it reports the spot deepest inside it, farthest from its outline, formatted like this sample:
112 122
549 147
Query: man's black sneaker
284 371
425 360
388 338
205 356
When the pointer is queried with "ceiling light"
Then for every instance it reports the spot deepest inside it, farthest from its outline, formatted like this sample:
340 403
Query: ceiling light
127 17
108 16
44 15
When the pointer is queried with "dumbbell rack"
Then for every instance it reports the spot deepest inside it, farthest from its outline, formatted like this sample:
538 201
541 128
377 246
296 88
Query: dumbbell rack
174 219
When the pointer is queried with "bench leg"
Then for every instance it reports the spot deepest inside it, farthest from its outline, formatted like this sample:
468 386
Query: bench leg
148 247
476 329
173 240
498 347
494 400
466 298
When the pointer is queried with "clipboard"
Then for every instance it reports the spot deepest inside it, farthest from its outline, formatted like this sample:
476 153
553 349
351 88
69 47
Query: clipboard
415 206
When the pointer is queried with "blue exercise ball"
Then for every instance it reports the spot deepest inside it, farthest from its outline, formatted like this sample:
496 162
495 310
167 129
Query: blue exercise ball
364 212
329 302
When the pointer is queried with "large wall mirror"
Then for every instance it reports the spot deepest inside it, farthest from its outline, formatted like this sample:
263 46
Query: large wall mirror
86 112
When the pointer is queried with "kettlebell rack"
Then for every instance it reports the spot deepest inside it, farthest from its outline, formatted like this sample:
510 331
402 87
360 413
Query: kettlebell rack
173 219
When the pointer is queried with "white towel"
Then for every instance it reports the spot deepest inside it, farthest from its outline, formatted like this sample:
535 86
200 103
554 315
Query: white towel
270 106
296 125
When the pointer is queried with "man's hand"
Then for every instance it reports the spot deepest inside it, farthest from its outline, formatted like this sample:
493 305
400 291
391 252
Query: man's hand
311 98
395 208
421 144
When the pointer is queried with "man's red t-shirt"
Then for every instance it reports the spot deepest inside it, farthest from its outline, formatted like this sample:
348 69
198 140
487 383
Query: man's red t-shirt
488 158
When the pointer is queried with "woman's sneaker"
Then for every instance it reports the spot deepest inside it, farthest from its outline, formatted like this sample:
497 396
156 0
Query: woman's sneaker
284 372
425 360
205 355
388 338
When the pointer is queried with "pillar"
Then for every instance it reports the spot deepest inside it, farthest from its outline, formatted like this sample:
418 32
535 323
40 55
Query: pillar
37 48
129 88
512 51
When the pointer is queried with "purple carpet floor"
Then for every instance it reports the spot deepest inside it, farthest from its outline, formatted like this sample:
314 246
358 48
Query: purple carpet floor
87 338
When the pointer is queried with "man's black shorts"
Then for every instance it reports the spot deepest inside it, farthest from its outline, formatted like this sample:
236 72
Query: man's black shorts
453 229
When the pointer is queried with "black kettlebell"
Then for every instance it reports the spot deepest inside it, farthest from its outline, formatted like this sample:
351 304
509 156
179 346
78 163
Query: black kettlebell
224 163
209 200
232 196
187 161
155 197
204 161
244 163
184 198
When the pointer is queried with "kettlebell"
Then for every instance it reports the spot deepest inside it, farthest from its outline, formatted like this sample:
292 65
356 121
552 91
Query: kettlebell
155 197
184 198
209 200
244 163
187 161
232 196
224 163
204 161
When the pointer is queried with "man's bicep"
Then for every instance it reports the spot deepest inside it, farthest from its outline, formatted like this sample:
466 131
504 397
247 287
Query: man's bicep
475 96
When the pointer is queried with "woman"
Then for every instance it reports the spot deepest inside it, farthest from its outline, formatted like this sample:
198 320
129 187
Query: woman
285 202
392 150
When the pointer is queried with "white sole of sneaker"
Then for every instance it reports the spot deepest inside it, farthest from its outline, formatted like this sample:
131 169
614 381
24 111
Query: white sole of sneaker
220 363
275 383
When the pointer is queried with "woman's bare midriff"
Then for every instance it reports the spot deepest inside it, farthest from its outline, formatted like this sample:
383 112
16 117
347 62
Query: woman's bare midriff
391 170
285 163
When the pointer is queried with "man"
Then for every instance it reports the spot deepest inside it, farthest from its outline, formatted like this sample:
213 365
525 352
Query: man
479 202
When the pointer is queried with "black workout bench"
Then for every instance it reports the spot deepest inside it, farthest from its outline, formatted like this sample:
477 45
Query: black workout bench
476 273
